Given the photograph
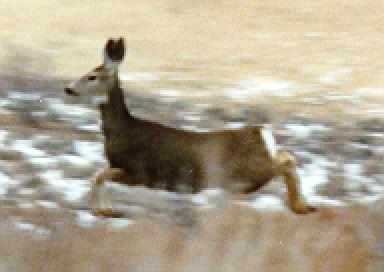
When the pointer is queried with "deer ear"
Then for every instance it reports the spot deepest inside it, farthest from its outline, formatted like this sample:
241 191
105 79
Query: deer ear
114 52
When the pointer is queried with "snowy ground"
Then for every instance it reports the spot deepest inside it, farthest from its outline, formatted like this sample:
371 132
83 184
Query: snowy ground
312 68
51 145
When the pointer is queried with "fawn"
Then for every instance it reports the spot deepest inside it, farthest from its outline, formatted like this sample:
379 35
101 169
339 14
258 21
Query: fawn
142 152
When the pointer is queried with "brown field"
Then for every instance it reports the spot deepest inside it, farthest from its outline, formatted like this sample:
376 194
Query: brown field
205 45
321 47
231 239
210 46
218 40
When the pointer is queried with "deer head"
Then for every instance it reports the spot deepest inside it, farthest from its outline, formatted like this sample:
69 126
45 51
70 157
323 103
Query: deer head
104 76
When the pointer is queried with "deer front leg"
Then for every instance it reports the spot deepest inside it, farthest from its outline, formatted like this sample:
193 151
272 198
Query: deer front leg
100 204
286 166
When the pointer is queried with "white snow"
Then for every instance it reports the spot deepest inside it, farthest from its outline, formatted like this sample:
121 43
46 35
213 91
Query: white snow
191 118
253 88
98 99
26 147
47 204
5 102
25 205
70 112
234 125
90 127
26 191
304 131
209 198
336 76
75 193
138 76
72 189
368 198
314 174
31 228
19 95
24 226
3 136
370 91
6 182
86 219
193 128
167 96
321 200
266 203
119 223
46 162
353 169
93 151
73 159
340 96
168 93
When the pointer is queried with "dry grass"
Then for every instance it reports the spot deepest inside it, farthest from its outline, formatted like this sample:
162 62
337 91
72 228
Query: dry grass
205 45
233 239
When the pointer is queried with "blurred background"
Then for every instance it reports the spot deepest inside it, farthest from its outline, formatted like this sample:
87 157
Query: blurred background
312 69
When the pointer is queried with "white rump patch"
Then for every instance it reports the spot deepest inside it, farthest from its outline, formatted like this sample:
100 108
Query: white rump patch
269 140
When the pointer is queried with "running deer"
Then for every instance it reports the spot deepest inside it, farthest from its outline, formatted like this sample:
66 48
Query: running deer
142 152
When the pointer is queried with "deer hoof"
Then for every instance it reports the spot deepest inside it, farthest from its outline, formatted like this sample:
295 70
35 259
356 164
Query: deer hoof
108 213
302 208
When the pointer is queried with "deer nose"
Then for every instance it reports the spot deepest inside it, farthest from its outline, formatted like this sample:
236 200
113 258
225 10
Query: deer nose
70 91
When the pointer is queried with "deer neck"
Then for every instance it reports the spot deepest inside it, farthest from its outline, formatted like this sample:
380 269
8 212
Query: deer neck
116 100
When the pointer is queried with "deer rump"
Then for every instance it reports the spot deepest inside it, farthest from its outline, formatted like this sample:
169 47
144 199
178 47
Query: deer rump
157 156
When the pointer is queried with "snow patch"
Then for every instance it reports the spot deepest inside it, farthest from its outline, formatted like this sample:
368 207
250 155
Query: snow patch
93 151
234 125
304 131
69 112
47 204
119 223
31 228
18 95
90 127
266 203
5 183
321 200
247 89
192 118
26 148
339 96
73 159
86 219
99 99
370 91
336 76
72 189
138 77
45 162
314 174
209 198
75 193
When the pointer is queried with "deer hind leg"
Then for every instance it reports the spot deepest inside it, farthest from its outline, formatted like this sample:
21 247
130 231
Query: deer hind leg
99 202
286 166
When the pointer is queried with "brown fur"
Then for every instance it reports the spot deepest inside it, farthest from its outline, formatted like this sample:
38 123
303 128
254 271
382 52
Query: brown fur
148 153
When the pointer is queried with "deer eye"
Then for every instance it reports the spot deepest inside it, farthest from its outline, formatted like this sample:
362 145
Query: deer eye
92 77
